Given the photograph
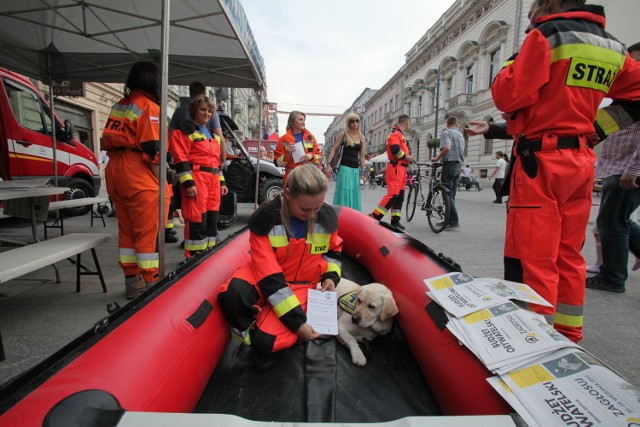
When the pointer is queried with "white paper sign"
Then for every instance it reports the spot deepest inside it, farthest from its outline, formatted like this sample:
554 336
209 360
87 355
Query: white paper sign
298 154
322 311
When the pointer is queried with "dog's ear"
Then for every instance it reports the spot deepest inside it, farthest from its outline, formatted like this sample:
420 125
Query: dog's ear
389 307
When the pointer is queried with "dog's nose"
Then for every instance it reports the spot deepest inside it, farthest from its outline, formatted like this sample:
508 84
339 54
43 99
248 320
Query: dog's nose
355 319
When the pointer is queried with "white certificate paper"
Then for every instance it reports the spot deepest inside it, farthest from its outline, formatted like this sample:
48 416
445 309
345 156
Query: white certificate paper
322 312
299 153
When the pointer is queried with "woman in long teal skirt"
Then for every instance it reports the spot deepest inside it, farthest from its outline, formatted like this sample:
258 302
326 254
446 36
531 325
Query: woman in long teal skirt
351 164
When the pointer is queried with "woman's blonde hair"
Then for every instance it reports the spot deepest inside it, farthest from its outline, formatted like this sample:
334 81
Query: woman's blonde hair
307 180
352 138
292 117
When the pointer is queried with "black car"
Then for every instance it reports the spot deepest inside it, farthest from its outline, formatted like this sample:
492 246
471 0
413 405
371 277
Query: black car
241 168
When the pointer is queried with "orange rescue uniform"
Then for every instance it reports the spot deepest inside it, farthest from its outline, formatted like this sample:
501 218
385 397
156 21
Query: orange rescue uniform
283 157
132 138
266 300
396 176
551 91
197 162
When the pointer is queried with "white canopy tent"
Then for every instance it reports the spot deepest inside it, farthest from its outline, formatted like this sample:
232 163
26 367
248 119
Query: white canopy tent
380 158
98 40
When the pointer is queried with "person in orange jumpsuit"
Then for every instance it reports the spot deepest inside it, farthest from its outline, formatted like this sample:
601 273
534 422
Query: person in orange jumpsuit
550 93
132 139
294 247
296 133
396 174
196 151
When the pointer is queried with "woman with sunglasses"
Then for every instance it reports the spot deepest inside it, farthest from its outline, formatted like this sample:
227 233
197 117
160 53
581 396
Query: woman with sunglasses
353 144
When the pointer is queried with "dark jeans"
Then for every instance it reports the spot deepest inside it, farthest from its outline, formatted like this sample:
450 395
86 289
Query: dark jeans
450 178
497 185
619 234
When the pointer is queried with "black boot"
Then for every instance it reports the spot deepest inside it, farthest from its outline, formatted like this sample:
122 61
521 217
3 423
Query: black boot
397 224
170 237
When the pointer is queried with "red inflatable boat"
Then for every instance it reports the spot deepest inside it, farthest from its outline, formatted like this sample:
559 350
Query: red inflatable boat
169 351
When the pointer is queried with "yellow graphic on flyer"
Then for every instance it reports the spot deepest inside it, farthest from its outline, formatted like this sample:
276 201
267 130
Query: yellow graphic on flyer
478 316
442 283
531 376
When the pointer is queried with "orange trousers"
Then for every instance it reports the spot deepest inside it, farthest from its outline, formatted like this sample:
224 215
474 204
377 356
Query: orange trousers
396 178
201 213
134 190
546 221
246 308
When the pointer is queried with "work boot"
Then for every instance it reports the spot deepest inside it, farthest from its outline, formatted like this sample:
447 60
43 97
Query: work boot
170 237
134 286
397 224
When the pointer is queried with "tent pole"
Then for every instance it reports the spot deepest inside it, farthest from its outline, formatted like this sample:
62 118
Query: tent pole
164 57
260 110
53 122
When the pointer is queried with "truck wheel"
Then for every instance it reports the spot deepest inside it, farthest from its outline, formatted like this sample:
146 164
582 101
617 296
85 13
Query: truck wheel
270 189
79 189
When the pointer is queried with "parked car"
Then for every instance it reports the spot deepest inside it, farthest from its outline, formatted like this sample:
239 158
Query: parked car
241 169
26 149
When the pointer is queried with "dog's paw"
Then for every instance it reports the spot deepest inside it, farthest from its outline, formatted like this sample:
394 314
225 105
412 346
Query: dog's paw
358 359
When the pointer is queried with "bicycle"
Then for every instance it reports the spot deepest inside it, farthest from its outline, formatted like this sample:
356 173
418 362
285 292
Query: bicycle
372 183
436 204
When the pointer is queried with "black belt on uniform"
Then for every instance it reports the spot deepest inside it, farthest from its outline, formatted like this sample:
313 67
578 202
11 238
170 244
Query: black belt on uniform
208 169
561 143
135 150
451 161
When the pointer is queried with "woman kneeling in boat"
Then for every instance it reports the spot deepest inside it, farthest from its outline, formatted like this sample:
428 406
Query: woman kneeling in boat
294 246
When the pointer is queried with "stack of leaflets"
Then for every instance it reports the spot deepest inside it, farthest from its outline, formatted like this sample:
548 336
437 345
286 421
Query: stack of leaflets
505 337
568 387
546 378
461 294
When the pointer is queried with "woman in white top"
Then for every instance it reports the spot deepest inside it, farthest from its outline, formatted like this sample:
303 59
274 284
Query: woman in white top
498 174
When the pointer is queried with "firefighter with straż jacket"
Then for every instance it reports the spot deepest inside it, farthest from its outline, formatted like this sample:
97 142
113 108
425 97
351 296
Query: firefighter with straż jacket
296 133
132 139
551 92
396 174
294 247
196 151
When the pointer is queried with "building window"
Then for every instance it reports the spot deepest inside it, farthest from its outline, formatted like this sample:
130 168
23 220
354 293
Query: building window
419 107
448 90
409 109
397 101
488 146
494 65
385 109
469 80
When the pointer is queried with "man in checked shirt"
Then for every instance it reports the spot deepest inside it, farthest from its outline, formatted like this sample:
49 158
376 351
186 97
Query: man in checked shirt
619 168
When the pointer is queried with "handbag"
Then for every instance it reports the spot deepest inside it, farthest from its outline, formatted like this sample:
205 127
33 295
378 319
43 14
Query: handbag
337 158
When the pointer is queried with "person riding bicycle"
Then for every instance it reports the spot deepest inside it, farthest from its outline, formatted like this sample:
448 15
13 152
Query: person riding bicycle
372 174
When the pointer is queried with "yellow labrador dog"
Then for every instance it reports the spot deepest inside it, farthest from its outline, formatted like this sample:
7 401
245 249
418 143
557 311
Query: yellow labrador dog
364 312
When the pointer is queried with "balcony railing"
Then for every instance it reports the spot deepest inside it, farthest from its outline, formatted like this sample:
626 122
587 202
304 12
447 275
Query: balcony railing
459 100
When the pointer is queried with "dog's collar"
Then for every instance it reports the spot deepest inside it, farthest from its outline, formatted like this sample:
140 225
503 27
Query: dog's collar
348 302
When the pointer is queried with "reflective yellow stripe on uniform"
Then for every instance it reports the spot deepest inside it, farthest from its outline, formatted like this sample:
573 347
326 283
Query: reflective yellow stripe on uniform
333 265
127 256
283 301
130 112
148 260
607 122
185 177
318 240
278 236
195 245
569 315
